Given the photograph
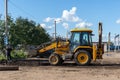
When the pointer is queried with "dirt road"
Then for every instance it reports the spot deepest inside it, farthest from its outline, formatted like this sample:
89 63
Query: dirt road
106 69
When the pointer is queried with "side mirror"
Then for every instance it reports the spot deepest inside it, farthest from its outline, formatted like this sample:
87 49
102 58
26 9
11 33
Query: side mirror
92 34
69 41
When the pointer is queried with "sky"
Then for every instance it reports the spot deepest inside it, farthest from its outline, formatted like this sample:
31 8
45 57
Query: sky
68 14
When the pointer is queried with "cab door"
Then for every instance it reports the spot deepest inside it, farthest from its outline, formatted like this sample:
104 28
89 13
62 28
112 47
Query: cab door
74 41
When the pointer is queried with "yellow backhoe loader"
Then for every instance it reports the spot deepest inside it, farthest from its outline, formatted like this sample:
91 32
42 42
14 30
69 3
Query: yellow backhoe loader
79 48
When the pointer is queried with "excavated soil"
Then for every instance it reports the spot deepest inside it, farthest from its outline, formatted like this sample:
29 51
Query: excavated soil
106 69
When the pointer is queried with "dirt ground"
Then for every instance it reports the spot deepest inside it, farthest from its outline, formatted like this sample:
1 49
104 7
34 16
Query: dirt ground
106 69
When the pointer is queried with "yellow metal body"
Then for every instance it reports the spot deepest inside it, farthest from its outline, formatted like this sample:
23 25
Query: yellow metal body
63 47
49 47
94 52
92 49
82 47
81 30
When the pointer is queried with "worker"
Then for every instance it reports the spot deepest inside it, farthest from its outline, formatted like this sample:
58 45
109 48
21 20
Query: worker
8 52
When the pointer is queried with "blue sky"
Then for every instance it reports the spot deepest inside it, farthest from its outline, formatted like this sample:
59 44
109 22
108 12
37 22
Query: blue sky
68 14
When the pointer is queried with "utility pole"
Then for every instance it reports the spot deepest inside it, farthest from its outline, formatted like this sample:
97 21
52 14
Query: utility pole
115 43
6 21
55 21
6 27
55 29
67 35
118 42
109 41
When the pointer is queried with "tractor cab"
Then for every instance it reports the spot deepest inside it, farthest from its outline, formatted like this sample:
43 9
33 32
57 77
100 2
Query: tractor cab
80 37
79 48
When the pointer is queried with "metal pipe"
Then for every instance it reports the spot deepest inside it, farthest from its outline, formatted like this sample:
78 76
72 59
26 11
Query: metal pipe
6 22
100 35
55 30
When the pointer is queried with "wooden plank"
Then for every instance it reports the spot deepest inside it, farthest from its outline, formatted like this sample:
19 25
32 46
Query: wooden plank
9 68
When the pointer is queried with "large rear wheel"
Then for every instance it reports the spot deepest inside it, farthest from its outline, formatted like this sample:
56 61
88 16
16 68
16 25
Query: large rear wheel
55 59
82 57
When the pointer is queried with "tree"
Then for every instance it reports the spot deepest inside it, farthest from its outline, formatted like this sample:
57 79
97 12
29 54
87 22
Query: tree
1 33
2 29
26 32
38 35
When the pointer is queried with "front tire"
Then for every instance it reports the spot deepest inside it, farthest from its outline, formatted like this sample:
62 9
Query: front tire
82 57
55 59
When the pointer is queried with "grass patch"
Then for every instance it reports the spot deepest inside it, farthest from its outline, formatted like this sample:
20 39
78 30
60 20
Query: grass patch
18 54
2 57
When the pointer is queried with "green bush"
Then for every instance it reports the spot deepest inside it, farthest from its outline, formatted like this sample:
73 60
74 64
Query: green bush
19 54
2 57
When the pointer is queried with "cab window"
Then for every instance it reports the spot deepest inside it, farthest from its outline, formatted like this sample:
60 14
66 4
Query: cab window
76 37
85 38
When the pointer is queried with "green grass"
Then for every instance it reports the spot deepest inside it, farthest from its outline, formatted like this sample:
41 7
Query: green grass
15 54
19 54
2 57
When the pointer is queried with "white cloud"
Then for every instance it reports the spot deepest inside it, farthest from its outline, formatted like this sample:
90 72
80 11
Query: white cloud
48 19
118 21
49 27
66 26
58 20
43 25
70 15
84 24
46 27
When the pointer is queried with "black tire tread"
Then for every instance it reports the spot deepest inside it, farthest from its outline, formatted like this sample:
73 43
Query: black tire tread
60 61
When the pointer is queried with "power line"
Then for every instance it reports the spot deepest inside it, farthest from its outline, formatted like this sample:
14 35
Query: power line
21 9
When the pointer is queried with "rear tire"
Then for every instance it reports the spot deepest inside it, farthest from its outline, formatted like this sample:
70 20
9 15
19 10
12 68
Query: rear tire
82 57
55 59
